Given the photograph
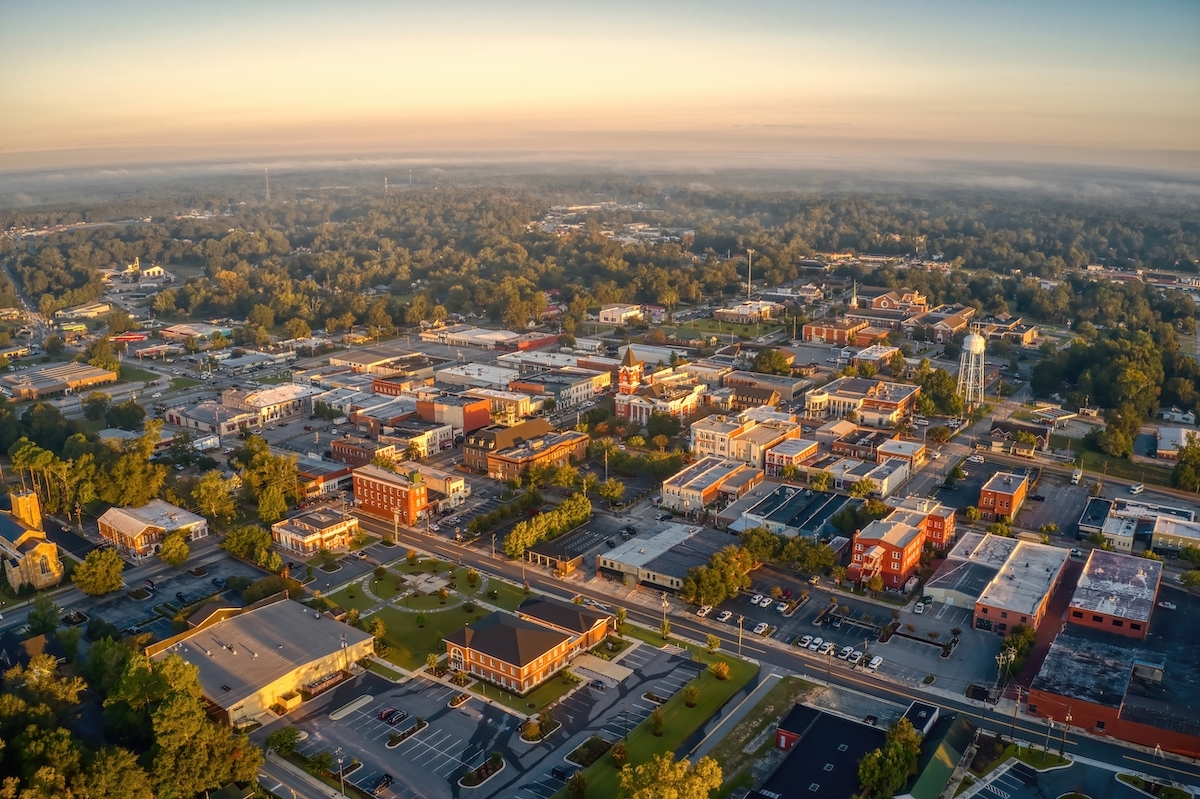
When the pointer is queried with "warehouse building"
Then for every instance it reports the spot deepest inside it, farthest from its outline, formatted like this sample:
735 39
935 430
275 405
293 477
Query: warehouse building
1116 593
663 559
278 653
54 379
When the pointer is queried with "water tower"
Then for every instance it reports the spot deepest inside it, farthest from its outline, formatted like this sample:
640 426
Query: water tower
970 370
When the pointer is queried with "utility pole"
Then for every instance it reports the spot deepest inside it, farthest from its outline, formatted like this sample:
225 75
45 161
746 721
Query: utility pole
267 181
740 618
665 605
1066 723
1049 727
493 546
1012 733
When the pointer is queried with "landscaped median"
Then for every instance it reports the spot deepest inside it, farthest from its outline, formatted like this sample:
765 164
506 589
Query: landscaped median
679 722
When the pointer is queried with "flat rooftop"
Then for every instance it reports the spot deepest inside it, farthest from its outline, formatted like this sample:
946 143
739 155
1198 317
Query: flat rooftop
703 474
986 550
1026 578
793 446
1004 482
1118 585
241 655
671 550
890 532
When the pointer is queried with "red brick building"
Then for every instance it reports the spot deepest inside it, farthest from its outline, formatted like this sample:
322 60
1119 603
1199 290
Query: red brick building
464 414
387 495
833 331
1002 496
935 520
359 451
1116 593
891 549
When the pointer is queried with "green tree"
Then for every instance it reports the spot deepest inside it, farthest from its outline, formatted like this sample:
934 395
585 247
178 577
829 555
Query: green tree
875 584
114 773
1191 579
577 786
175 550
663 776
43 616
213 497
39 682
283 740
611 490
862 488
271 505
99 353
297 328
100 572
95 406
127 415
771 362
973 513
712 643
665 629
820 481
377 628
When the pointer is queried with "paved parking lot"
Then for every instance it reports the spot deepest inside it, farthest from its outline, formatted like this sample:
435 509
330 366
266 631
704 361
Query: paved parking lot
1020 781
125 612
1062 505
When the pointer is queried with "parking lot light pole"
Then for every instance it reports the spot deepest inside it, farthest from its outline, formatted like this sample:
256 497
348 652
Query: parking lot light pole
1049 727
341 772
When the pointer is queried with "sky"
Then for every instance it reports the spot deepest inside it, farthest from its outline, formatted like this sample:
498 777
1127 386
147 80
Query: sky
125 81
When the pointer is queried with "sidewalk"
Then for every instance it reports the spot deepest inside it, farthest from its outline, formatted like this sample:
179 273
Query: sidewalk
731 719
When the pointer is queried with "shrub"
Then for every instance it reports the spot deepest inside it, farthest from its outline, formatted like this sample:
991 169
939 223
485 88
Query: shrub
690 695
720 670
620 755
657 723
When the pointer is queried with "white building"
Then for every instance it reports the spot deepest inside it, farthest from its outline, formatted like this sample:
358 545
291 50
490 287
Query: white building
618 313
279 403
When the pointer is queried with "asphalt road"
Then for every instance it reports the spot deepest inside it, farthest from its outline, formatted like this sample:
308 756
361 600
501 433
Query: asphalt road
791 659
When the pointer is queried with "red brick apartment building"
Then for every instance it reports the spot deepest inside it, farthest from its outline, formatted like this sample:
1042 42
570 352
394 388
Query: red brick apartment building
935 520
359 451
385 494
891 549
832 331
1002 496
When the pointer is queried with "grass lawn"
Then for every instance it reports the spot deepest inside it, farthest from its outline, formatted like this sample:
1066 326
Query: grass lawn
183 382
409 644
534 701
777 701
1164 792
430 602
1034 757
131 374
383 671
366 542
423 565
680 722
1122 468
353 596
507 596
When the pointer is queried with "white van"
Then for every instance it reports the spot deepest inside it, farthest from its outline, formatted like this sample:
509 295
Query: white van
1136 488
1075 478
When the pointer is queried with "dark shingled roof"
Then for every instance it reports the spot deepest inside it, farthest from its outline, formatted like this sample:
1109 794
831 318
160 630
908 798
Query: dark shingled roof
564 615
17 652
508 638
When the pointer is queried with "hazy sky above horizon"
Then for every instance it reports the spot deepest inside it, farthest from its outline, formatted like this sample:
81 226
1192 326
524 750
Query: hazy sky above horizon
86 82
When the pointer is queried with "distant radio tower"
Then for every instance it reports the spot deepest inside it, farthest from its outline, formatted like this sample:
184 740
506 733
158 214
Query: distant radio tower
970 370
267 181
749 266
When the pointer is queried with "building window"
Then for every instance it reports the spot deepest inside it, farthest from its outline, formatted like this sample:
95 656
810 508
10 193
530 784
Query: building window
1098 619
984 611
1077 614
1133 625
1118 623
1100 726
1004 614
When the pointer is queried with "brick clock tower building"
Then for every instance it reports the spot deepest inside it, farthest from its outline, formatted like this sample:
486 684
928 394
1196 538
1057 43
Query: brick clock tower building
629 377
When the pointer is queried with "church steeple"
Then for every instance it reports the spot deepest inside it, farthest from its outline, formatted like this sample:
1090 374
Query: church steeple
854 295
629 377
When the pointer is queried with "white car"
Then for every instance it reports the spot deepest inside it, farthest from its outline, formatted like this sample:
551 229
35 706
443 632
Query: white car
804 642
854 658
937 456
826 648
1168 605
975 459
704 610
875 663
760 628
767 602
816 644
919 609
754 600
846 652
726 615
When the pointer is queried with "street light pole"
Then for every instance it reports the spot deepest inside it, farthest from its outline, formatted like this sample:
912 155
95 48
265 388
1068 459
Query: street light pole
1066 723
341 773
664 607
1012 733
740 635
493 546
395 525
1049 727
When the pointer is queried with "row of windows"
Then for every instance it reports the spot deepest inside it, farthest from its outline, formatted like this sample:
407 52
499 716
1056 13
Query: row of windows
1133 625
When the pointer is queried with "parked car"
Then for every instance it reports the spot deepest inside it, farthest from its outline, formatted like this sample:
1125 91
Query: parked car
760 628
787 593
754 600
562 773
919 609
1077 553
804 641
975 459
384 782
387 711
397 716
875 663
704 610
610 544
1168 605
767 602
854 658
815 644
846 652
726 615
826 648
